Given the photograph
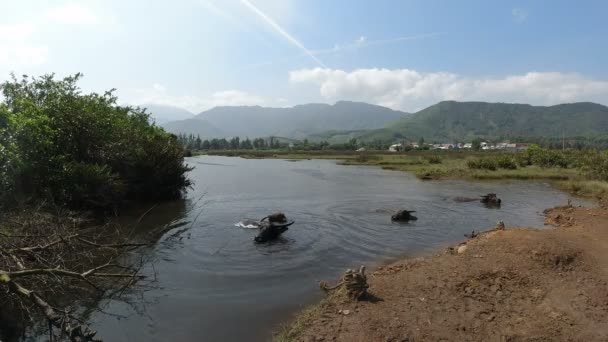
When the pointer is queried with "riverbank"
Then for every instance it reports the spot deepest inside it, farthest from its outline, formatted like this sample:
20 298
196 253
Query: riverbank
511 285
436 165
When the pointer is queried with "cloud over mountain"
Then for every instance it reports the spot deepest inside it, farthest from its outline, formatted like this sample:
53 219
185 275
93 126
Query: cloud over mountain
412 90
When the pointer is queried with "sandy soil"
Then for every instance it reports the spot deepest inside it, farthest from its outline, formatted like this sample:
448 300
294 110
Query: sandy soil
519 284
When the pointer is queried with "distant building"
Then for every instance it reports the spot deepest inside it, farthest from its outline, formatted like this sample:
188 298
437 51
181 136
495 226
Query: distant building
395 148
362 149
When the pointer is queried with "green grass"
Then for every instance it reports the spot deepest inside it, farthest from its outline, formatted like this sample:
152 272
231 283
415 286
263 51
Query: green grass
582 187
292 330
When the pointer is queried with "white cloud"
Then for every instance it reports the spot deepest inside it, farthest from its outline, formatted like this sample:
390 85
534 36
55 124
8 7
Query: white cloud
73 13
411 90
20 43
159 94
15 48
17 55
16 32
519 14
159 87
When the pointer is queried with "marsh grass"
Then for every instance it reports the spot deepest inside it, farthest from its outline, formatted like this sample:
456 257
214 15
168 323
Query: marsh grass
581 187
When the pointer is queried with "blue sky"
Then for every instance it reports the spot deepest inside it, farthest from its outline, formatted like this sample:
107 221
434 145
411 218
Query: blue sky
406 55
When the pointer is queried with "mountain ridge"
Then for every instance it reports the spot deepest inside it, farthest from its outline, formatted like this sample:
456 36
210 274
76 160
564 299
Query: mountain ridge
453 120
294 122
443 121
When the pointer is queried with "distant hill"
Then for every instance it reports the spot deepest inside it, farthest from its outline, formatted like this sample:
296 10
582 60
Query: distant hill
164 113
458 121
293 122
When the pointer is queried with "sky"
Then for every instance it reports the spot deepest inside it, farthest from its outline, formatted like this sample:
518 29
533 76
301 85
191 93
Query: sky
403 54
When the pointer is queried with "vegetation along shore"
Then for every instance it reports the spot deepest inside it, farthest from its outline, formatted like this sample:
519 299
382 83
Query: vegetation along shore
70 162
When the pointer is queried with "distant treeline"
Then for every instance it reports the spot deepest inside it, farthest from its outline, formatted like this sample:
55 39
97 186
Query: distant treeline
577 143
192 143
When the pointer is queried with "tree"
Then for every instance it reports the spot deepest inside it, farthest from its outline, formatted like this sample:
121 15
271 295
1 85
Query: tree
476 144
246 144
421 142
83 150
198 142
235 143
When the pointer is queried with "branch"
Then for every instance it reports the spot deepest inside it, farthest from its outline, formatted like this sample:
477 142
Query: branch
61 272
78 332
119 245
48 245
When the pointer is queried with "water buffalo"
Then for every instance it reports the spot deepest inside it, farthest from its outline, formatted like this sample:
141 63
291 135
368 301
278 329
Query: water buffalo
404 215
270 231
490 198
271 227
465 199
276 218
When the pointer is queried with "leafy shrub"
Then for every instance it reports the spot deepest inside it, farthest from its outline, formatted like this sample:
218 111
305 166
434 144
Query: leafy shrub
597 166
83 150
506 162
434 159
483 164
535 155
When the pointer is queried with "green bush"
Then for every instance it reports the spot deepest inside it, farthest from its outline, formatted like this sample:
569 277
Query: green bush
535 155
482 164
506 162
597 166
434 159
83 150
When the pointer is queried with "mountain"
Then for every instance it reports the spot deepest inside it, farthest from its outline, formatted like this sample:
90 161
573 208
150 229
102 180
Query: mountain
458 121
196 126
293 122
164 113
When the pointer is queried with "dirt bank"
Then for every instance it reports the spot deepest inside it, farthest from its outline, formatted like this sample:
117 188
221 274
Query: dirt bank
519 284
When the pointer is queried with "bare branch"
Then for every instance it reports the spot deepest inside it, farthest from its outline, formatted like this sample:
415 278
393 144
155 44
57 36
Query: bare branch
119 245
76 332
48 245
66 273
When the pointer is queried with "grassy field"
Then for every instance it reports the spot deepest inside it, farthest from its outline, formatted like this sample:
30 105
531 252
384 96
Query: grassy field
434 165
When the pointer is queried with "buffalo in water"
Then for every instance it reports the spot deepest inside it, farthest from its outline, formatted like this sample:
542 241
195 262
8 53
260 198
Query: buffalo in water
404 216
270 227
490 200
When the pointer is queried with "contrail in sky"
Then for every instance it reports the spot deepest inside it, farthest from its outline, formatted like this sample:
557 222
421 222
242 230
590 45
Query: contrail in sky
281 31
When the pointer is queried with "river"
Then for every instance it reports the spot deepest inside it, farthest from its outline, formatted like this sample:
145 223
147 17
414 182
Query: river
215 284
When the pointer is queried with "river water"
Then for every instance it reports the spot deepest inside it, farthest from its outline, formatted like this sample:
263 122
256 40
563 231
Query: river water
213 283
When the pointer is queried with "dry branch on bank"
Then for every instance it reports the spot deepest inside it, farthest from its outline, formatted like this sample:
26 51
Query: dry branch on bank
48 262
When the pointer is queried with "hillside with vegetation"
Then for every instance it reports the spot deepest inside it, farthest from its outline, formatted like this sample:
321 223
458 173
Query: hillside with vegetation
293 122
451 121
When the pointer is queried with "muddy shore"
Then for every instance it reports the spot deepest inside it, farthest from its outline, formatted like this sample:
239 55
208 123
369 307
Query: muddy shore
517 284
